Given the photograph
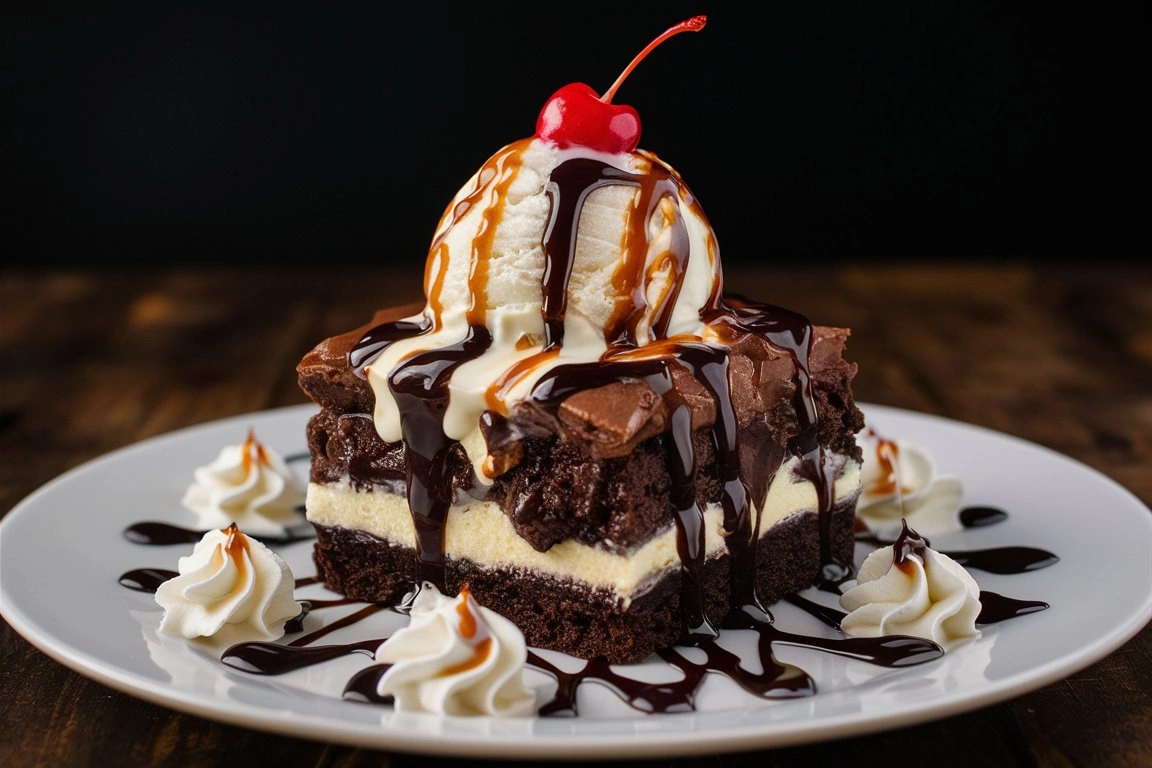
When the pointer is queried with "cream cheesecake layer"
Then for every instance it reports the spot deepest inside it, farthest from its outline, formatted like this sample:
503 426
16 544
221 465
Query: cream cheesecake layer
482 533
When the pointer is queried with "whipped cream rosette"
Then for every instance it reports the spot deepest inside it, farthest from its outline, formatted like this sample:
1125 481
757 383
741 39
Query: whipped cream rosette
231 589
899 481
249 485
456 657
910 589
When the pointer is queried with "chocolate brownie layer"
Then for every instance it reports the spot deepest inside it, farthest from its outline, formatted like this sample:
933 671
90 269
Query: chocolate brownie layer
573 617
564 515
596 469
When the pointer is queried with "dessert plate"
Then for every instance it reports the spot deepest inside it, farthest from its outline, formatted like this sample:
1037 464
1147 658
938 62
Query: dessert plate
62 552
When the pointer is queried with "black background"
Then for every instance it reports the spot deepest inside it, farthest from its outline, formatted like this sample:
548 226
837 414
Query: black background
337 133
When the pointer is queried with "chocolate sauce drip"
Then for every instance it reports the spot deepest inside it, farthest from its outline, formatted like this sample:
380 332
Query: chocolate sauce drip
380 337
681 459
710 365
334 603
908 544
570 184
146 579
996 607
832 582
365 684
420 388
150 579
564 700
791 333
295 625
978 517
259 658
560 382
775 681
161 534
830 616
886 651
1004 560
346 621
164 534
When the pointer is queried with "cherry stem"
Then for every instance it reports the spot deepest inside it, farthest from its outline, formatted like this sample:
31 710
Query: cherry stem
694 24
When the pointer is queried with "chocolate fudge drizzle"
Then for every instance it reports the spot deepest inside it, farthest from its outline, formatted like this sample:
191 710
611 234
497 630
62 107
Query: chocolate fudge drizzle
420 386
153 533
420 383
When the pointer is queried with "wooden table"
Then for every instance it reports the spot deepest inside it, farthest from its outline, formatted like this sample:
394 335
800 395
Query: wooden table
94 360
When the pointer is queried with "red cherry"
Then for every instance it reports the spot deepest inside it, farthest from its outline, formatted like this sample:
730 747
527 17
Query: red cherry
576 116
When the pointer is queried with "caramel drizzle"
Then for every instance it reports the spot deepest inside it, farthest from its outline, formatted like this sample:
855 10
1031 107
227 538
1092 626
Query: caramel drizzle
638 269
496 396
236 545
474 633
492 181
888 459
252 453
504 168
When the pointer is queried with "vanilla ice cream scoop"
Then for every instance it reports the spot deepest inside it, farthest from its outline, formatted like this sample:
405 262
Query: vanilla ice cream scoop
550 256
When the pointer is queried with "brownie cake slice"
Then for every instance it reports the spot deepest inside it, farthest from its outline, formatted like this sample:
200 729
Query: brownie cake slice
579 423
578 539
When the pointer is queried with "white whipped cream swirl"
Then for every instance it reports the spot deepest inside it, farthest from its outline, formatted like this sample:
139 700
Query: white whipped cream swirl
899 481
456 657
910 589
249 485
231 589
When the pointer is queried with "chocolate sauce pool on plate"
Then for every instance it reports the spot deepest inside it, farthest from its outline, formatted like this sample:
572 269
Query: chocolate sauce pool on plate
151 533
1004 560
978 517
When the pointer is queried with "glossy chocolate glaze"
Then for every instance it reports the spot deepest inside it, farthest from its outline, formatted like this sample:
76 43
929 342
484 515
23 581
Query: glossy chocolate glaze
978 517
152 533
995 607
1004 560
420 386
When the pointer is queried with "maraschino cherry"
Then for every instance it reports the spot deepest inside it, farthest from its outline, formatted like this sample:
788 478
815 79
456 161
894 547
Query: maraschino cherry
576 116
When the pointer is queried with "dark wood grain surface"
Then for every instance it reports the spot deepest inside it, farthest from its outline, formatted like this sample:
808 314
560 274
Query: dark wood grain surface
94 360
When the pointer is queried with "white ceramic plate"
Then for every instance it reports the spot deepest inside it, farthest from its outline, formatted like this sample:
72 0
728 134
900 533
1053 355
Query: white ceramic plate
62 552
